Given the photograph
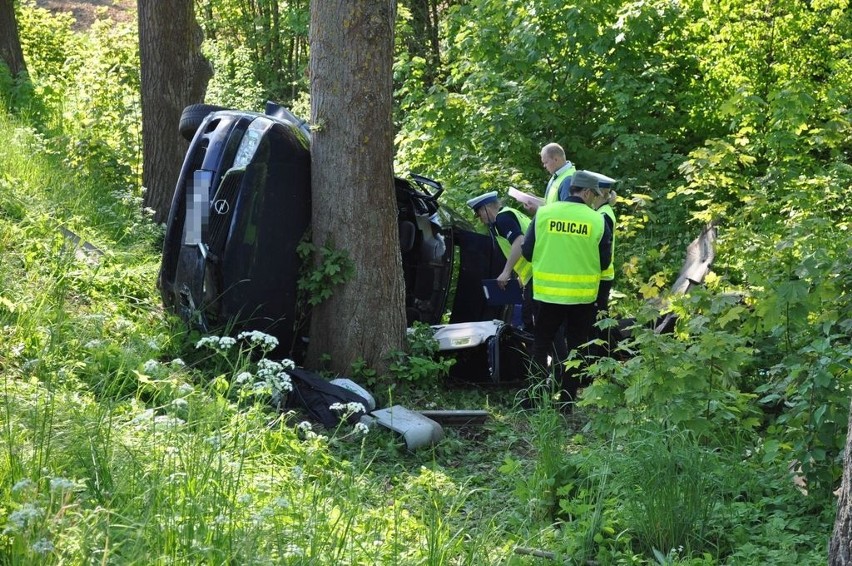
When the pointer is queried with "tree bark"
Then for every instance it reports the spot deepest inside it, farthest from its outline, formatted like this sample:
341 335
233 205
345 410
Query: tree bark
354 202
10 41
840 546
174 75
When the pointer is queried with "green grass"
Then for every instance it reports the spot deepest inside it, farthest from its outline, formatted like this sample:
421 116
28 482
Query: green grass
123 443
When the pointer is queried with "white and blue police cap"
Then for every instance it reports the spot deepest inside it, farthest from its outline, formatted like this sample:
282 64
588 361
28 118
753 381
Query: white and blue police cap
482 200
591 180
584 180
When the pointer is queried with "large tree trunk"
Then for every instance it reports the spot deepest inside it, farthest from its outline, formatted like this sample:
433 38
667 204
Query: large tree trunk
174 75
840 547
10 42
354 203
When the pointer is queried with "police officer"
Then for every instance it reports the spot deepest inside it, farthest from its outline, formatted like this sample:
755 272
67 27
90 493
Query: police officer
508 227
569 246
553 159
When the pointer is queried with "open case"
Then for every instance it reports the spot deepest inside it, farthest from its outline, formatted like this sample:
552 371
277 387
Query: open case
486 352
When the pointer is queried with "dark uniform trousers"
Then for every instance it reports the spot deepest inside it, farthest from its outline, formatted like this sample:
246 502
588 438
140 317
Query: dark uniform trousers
576 321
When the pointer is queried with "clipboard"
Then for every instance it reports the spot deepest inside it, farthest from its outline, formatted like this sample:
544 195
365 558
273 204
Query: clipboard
495 296
525 198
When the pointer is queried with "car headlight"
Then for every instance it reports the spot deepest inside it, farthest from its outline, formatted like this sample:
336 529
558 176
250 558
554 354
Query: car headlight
250 142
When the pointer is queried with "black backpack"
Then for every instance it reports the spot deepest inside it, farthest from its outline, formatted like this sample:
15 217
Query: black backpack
314 394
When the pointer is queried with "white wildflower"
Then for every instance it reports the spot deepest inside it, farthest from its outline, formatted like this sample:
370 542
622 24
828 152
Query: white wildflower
185 389
62 484
244 377
26 514
180 403
268 368
305 426
42 546
263 516
22 485
361 428
293 550
349 408
177 363
259 339
216 342
151 366
244 499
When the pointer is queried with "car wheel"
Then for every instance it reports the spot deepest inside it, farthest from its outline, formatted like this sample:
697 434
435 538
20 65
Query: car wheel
192 116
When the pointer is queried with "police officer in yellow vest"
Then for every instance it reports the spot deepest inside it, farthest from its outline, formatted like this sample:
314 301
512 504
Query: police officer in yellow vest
553 159
508 227
569 245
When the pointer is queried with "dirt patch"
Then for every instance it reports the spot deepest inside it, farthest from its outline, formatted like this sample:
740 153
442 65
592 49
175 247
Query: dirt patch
85 12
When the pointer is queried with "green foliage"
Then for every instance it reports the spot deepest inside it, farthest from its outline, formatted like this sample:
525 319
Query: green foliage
322 270
687 380
15 92
86 97
259 50
420 364
233 84
729 111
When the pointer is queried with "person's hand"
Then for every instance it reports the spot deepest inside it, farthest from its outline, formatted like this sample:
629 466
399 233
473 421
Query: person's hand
503 279
613 196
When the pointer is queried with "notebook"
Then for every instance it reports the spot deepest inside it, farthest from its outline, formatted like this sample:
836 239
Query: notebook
494 295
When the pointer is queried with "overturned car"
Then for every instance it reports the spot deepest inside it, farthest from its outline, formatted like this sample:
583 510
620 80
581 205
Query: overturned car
242 205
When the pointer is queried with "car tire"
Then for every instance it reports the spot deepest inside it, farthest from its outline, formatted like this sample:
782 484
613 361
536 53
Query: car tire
192 116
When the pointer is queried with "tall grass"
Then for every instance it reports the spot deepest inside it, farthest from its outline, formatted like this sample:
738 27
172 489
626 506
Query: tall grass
113 449
123 442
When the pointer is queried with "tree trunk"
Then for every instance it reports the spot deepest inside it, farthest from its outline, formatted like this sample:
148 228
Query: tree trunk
354 203
174 75
10 41
425 41
840 546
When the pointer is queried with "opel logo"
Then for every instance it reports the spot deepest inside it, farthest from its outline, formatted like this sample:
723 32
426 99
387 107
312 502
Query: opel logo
221 206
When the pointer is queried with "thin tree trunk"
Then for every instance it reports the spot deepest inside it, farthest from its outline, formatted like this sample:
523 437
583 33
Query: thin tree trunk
840 546
10 42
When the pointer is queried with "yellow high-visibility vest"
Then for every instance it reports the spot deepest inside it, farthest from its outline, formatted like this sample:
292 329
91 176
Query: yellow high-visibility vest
608 274
552 193
566 260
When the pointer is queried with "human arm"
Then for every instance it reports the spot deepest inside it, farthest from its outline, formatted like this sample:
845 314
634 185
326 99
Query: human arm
508 227
605 245
529 243
514 256
565 188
